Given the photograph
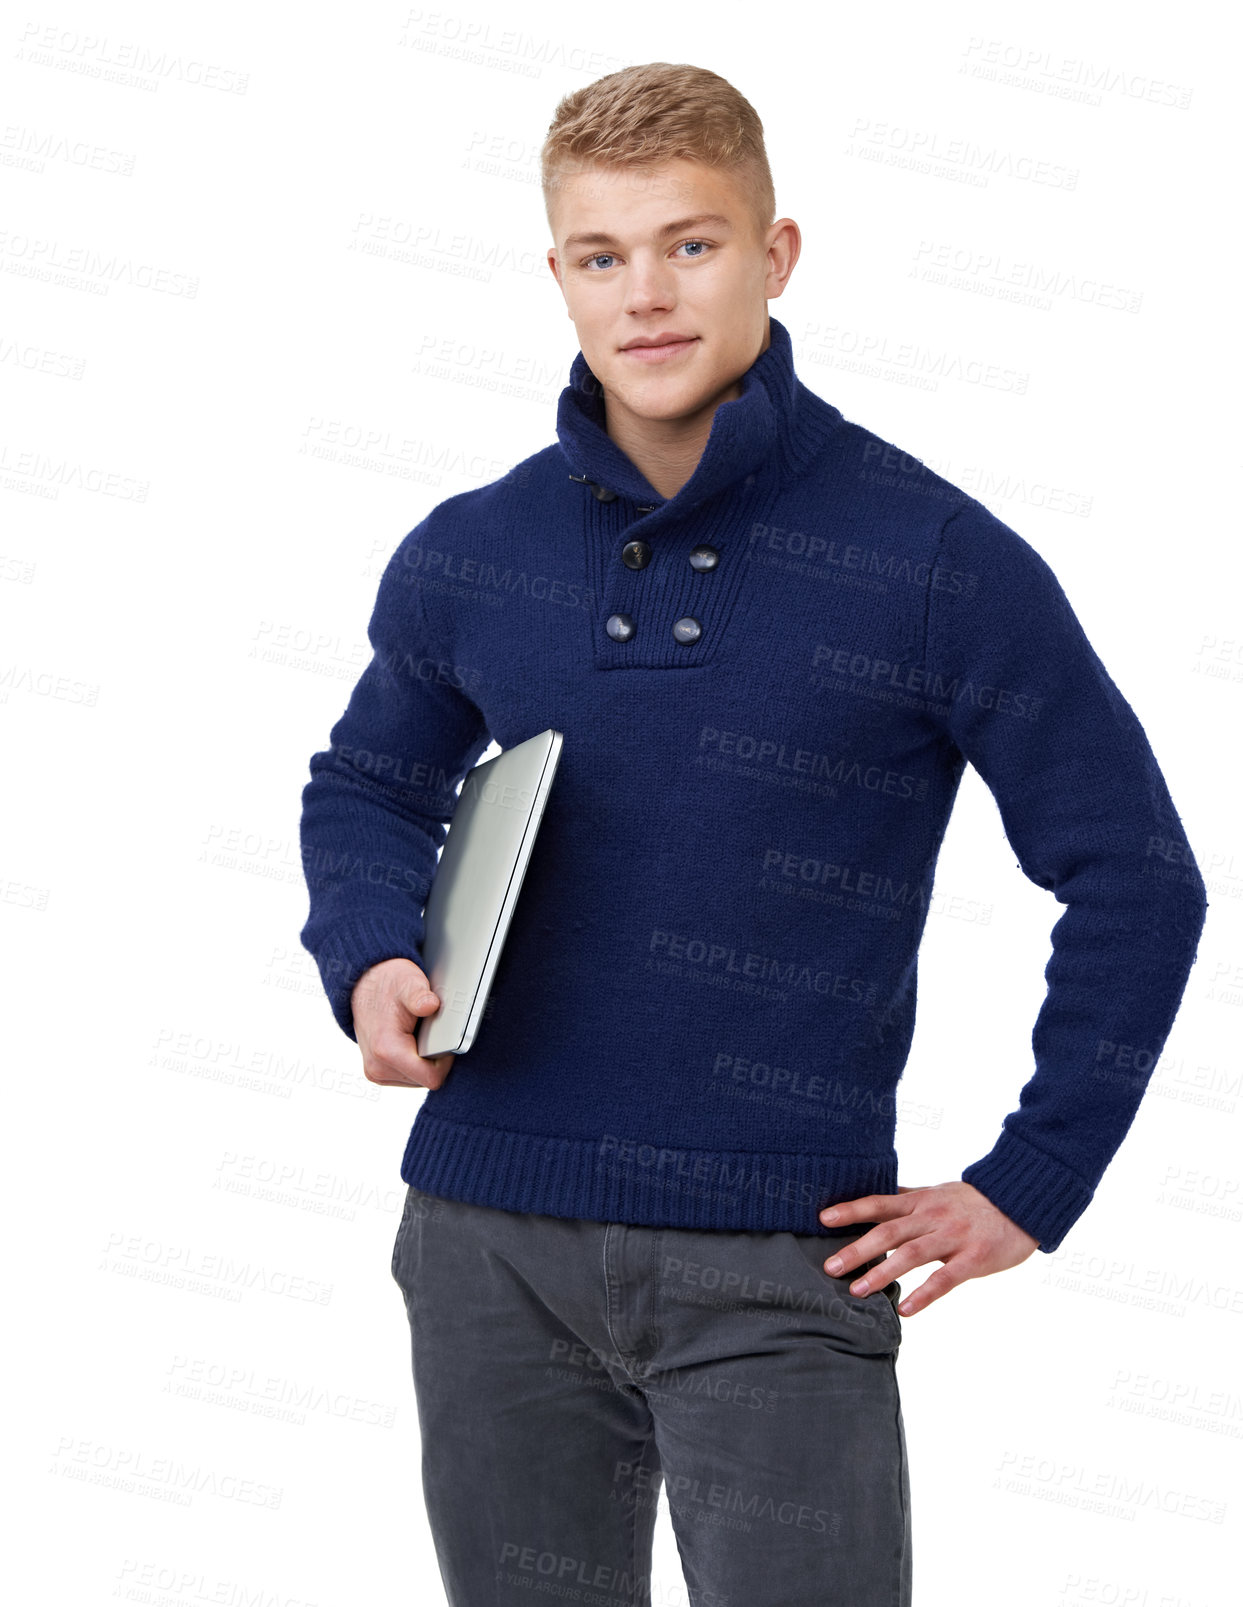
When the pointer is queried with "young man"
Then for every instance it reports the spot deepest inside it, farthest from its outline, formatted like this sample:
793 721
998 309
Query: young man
772 642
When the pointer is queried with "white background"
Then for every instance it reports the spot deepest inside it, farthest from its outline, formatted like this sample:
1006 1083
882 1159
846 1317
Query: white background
274 285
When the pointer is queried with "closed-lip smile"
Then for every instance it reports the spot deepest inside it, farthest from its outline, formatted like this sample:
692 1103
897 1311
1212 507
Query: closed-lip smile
656 348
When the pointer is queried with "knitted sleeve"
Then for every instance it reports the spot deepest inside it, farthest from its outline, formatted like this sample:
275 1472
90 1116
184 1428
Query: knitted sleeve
1018 690
376 809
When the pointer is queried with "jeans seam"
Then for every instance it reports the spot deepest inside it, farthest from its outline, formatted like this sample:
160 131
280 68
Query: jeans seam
657 1235
901 1599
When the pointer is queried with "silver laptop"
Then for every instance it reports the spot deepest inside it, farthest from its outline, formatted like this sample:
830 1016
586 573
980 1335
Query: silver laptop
476 885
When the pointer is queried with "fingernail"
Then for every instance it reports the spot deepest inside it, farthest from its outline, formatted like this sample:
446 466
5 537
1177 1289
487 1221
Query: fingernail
828 1216
835 1265
860 1288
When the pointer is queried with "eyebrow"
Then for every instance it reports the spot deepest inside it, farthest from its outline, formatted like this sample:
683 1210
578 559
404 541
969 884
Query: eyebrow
713 219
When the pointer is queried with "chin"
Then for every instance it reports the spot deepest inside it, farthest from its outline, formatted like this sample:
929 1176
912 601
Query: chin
655 400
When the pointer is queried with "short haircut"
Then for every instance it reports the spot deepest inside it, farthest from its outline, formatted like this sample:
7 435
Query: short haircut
642 116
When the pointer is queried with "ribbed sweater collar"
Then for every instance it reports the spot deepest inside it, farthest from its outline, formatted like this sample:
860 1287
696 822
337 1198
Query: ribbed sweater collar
775 418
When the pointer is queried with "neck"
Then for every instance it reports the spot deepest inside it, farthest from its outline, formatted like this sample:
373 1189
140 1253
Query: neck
665 451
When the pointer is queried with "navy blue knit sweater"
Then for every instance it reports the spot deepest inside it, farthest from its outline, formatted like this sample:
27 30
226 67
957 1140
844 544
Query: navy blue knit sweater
707 995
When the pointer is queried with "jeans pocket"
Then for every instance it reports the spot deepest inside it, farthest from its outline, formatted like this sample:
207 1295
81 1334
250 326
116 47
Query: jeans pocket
867 1324
891 1294
407 1213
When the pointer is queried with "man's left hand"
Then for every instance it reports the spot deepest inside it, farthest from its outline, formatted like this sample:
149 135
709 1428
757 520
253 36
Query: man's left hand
949 1222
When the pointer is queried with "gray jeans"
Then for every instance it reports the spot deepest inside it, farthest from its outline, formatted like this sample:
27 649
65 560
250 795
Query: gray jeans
564 1370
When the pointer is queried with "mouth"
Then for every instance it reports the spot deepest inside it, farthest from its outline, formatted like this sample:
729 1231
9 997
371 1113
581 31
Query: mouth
663 352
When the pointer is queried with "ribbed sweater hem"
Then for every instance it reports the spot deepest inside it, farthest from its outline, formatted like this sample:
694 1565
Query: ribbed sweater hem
614 1179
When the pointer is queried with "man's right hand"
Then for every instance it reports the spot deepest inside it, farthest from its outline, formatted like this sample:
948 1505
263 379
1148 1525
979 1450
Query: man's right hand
388 1002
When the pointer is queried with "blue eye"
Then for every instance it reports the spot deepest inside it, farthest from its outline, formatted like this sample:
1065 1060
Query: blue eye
608 256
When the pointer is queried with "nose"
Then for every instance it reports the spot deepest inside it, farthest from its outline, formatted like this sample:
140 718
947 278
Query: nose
649 284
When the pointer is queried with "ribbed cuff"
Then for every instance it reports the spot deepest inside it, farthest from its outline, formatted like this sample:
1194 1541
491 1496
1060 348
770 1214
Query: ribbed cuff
355 946
1044 1197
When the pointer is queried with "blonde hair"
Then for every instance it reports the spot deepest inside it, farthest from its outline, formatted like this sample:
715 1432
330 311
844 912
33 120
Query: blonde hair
645 115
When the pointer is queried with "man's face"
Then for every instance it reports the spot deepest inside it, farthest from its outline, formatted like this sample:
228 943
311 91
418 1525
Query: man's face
669 251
